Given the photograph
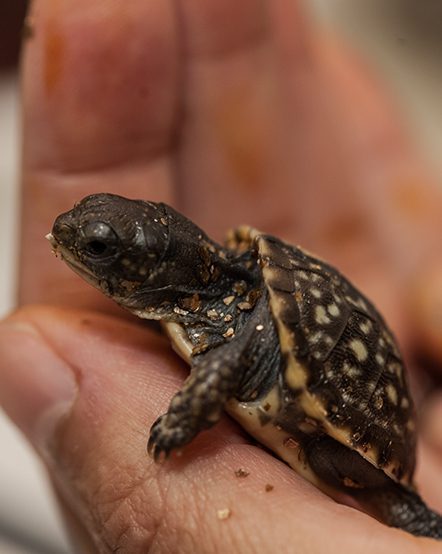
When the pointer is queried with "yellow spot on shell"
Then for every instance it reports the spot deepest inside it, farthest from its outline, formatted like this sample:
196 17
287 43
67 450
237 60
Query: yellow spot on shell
391 393
366 327
359 349
321 316
333 310
351 370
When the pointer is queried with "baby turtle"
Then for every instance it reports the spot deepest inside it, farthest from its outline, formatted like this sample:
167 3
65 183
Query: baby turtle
278 338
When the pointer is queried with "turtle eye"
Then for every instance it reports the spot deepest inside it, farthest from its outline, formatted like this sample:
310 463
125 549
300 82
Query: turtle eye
96 247
99 240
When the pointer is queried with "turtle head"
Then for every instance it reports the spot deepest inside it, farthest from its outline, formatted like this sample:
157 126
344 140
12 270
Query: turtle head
142 254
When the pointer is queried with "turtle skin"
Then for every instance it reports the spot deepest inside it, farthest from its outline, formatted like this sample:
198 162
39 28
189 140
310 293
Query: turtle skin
275 336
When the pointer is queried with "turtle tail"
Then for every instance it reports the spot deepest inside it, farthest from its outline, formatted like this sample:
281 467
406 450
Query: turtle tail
403 508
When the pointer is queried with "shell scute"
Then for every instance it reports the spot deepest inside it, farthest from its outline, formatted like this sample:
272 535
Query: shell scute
339 351
280 279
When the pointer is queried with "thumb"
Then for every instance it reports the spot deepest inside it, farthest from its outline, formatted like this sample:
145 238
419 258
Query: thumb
85 398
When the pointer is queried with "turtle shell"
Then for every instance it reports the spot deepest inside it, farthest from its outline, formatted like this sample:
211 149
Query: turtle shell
341 362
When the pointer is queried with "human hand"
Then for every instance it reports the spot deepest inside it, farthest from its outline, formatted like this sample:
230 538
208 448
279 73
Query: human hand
265 122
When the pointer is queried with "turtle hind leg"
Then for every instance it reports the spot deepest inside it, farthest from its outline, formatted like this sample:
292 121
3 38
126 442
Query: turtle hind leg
404 509
342 468
392 503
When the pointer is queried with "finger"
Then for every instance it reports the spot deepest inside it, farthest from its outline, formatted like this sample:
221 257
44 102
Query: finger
382 163
87 414
232 158
99 104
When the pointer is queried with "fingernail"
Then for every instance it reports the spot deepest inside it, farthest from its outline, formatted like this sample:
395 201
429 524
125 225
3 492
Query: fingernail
37 388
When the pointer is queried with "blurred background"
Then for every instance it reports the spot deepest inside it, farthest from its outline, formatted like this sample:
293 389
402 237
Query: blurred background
402 39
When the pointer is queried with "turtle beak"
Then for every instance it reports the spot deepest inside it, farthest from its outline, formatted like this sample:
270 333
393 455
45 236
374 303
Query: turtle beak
54 244
50 237
66 256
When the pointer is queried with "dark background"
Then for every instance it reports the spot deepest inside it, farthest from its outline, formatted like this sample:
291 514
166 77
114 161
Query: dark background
12 13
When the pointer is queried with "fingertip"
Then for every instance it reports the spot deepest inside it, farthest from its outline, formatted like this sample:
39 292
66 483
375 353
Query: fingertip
99 83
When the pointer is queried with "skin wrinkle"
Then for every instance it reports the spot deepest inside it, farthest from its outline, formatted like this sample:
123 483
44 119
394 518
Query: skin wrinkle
157 524
79 537
163 494
162 526
130 533
170 531
73 498
121 517
242 540
111 512
165 532
111 169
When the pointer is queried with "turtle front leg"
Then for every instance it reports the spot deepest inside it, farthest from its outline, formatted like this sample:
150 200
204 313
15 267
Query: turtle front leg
198 405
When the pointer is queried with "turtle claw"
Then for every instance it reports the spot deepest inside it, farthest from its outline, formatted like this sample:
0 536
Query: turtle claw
156 453
166 435
157 445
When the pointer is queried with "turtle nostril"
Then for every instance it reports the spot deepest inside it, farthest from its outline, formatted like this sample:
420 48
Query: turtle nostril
62 232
